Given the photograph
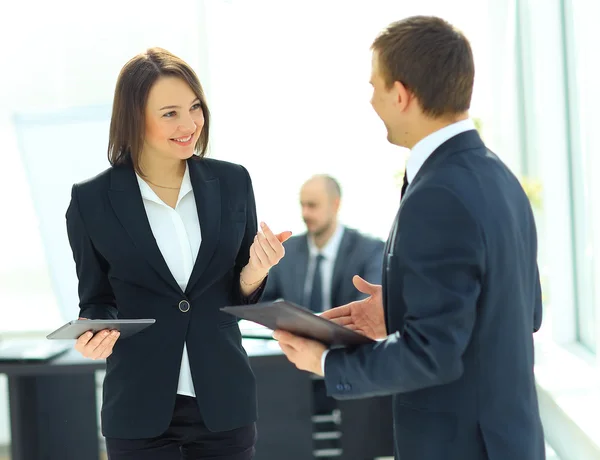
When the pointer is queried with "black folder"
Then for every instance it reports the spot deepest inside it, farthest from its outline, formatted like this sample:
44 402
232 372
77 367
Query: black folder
290 317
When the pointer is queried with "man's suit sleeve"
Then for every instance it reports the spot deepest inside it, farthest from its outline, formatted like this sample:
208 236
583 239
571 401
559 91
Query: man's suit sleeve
537 312
96 297
438 259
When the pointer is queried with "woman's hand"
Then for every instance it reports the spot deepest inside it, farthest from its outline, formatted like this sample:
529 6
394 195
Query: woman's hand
266 251
98 345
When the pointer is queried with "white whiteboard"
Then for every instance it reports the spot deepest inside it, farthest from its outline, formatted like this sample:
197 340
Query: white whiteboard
59 148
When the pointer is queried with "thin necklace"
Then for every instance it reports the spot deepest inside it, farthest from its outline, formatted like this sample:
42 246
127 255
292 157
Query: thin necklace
162 186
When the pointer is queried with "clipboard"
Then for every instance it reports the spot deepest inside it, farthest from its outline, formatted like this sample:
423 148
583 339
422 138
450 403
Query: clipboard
298 320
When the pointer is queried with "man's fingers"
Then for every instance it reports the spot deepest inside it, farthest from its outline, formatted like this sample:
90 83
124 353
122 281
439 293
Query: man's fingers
343 321
287 338
283 336
288 350
364 286
337 312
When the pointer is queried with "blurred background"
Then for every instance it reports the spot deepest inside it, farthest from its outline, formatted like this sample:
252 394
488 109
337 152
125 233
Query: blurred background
287 85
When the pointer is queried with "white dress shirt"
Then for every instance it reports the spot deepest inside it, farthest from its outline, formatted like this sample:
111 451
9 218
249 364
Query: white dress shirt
419 154
329 253
426 146
177 234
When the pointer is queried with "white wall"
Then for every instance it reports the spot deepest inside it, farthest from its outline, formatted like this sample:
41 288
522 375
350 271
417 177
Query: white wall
292 99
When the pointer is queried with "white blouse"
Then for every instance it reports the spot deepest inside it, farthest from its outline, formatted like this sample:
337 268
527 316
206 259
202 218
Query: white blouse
177 234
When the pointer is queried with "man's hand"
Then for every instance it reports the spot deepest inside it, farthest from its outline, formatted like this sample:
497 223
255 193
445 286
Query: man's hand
363 316
304 353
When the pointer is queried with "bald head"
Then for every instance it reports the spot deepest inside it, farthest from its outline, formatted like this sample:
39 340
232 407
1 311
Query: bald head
329 184
320 200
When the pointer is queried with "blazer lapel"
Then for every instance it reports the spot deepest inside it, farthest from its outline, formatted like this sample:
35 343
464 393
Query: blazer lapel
387 251
463 141
208 202
126 201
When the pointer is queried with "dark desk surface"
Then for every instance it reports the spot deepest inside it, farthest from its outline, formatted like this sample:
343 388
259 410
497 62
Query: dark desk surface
73 363
70 362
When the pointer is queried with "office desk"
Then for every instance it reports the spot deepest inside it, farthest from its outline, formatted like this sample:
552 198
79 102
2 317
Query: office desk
53 410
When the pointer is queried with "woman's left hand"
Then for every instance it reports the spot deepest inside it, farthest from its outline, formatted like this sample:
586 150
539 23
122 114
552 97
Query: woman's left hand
266 250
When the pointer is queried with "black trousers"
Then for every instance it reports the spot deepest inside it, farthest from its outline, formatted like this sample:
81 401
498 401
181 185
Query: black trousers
187 438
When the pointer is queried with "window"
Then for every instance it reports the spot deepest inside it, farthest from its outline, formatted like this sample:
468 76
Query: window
584 145
64 63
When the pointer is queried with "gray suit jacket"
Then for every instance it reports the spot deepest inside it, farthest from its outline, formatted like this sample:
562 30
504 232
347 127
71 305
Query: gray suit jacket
358 255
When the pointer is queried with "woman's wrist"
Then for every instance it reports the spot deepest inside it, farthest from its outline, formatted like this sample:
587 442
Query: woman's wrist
250 277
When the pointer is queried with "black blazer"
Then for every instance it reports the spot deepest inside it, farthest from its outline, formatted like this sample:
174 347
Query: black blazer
123 274
358 255
462 299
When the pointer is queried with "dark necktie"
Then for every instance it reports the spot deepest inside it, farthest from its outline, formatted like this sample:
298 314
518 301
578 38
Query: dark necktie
316 293
404 185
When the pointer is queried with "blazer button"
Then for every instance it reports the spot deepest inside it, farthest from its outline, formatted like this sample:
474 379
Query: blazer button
184 306
347 387
340 387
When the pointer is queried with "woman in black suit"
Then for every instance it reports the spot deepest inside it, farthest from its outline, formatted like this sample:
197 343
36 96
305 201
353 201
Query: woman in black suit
166 233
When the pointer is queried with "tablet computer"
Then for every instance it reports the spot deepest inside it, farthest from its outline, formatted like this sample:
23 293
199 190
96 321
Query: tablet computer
73 329
290 317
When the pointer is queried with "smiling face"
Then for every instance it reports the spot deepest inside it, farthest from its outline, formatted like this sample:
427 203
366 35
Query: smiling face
173 119
392 104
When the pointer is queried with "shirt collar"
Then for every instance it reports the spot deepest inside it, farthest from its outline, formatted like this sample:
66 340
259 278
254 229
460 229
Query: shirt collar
329 251
149 194
426 146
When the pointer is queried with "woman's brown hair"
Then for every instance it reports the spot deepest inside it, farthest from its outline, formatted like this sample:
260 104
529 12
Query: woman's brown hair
127 124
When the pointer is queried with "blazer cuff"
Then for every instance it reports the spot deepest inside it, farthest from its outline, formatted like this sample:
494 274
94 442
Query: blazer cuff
98 312
337 383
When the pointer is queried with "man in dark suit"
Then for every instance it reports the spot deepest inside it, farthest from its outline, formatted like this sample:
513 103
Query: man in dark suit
318 266
317 271
461 294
